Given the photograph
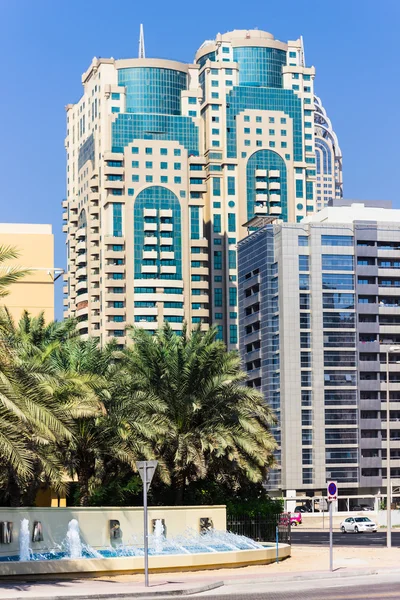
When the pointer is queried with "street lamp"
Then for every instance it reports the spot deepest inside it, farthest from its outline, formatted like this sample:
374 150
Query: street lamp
388 478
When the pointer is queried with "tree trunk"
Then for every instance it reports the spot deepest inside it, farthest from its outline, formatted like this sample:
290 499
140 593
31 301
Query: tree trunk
34 485
179 487
14 489
83 480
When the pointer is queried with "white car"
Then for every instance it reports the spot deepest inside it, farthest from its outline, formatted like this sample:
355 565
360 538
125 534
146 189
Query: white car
358 525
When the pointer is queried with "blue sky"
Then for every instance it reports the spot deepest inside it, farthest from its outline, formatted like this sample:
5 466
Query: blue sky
47 44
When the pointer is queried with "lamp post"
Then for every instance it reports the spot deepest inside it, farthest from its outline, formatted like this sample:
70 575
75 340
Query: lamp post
388 478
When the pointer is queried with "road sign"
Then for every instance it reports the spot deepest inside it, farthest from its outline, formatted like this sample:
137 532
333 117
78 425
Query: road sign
146 470
332 494
332 490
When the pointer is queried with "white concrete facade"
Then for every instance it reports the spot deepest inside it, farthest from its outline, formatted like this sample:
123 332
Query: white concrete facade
222 140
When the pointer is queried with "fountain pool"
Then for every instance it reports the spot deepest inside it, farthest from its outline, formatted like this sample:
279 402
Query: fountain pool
188 543
64 551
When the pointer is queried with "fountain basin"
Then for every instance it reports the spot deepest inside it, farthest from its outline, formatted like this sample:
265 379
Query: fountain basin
165 563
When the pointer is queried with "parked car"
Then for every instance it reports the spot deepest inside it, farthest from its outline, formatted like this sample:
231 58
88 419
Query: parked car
296 519
361 507
302 509
358 525
367 507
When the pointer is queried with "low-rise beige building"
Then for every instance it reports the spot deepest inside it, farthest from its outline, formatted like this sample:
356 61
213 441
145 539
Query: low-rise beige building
35 291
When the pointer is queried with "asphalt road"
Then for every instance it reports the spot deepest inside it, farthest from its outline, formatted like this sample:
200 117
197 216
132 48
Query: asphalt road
306 538
373 587
360 592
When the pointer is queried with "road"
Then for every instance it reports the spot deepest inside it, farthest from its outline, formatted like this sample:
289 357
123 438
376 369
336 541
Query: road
372 587
306 538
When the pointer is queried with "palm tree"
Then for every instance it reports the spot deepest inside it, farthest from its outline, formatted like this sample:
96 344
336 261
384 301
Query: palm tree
37 411
215 423
117 436
9 275
38 405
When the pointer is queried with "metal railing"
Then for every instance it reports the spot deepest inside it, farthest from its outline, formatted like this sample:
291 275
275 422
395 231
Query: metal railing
261 528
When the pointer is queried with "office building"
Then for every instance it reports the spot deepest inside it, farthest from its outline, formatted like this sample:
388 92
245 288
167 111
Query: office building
35 291
319 314
165 163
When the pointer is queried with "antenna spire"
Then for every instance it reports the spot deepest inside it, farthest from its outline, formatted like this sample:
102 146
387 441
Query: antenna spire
142 53
303 58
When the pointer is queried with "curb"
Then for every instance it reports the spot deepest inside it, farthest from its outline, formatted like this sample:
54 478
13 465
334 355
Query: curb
125 595
338 574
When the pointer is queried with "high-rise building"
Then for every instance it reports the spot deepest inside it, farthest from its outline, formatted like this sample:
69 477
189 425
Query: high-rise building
319 316
165 163
35 247
329 185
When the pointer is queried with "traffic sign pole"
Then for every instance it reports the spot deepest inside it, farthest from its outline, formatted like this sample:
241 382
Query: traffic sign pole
146 530
332 494
331 535
146 470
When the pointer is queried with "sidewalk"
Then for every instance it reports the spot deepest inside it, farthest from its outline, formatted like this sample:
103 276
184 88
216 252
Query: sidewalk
307 563
99 588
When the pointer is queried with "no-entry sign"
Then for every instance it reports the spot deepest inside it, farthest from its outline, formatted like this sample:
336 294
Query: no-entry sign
332 490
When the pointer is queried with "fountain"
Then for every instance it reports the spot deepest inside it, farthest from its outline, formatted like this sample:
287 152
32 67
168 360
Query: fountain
24 550
74 543
192 549
158 536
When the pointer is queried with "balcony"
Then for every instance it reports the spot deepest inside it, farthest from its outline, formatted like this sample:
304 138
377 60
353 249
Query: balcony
198 187
166 227
261 197
261 185
196 285
150 269
81 272
167 241
274 185
111 325
115 269
167 269
274 173
114 185
150 254
150 226
81 285
112 297
261 210
200 312
388 291
80 233
166 255
113 170
261 173
82 325
111 311
367 308
81 259
150 212
114 240
150 241
275 210
81 311
143 311
166 213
